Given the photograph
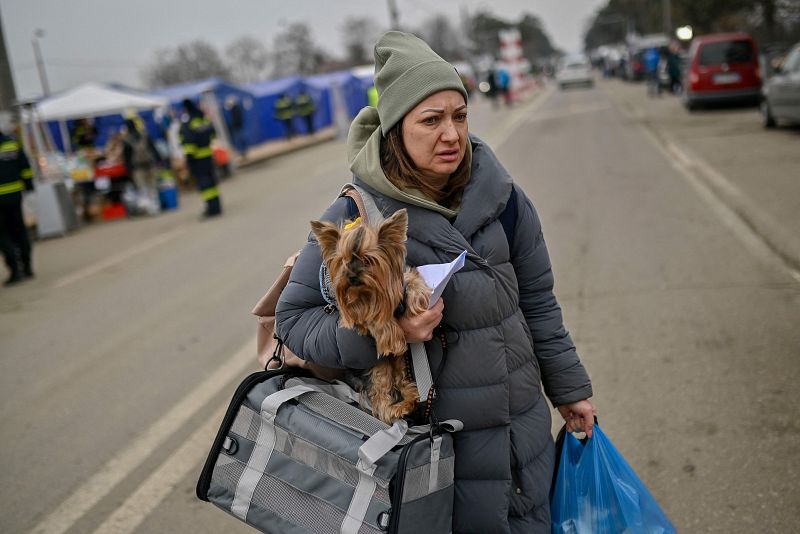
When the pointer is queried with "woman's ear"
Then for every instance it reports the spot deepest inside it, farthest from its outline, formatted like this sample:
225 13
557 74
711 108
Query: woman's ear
327 235
394 228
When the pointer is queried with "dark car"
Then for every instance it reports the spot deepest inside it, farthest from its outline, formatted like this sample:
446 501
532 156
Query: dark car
723 67
781 92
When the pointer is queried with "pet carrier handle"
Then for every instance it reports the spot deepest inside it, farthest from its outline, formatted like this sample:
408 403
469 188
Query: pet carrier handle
277 399
369 453
382 442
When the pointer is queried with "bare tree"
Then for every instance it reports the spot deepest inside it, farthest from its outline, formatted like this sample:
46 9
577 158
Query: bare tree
188 62
359 35
295 51
248 59
442 37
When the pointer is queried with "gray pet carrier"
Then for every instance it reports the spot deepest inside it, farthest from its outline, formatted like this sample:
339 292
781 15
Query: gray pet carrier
296 455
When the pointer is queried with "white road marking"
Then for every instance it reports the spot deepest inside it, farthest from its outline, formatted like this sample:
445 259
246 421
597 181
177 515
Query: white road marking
685 166
570 111
163 481
500 134
124 463
691 168
117 258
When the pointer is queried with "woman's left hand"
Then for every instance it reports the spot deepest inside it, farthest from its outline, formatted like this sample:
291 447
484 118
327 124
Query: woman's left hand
579 416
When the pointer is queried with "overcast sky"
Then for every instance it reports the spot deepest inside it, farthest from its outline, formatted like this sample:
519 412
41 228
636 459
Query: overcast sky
113 40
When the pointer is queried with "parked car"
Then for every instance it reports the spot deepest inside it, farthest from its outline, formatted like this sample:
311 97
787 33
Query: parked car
722 67
574 71
781 92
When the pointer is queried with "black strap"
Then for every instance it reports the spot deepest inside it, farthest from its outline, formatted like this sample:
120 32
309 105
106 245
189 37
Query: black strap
508 218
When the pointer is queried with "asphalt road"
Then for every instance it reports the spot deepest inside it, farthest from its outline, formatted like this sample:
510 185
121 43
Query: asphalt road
118 358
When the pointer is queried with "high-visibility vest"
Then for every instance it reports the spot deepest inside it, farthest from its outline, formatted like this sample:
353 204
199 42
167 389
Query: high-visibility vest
283 108
196 137
304 105
15 170
372 96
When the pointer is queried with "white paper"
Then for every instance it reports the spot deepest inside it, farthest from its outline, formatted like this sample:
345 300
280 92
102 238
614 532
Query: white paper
437 275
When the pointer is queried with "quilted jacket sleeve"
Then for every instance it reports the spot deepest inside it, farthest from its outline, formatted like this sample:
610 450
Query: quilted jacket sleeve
564 377
301 320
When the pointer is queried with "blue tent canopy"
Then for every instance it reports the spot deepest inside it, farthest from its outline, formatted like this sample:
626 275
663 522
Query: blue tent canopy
354 94
222 92
365 75
193 91
106 126
266 93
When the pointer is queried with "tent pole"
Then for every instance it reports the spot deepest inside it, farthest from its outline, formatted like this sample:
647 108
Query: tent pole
62 126
220 125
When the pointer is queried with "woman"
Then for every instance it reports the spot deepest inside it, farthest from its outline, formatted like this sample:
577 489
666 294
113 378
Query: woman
142 160
504 325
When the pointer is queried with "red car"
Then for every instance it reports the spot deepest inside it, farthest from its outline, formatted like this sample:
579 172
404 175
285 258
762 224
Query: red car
722 67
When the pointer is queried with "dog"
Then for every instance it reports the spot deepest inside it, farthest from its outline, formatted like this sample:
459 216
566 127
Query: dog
373 289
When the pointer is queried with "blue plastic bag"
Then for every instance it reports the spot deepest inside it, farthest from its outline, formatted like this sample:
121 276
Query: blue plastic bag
596 491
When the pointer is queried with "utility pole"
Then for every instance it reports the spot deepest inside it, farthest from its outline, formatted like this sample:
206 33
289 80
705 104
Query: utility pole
37 52
8 95
394 20
667 17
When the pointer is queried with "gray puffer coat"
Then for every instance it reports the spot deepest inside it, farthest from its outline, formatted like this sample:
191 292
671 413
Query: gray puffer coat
509 340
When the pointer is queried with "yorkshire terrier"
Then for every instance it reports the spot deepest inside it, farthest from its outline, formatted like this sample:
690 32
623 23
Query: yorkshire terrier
373 289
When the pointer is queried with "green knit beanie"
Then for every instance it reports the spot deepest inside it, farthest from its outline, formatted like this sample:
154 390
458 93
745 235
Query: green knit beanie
406 72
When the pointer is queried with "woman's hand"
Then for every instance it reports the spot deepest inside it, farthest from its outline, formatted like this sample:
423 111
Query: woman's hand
420 327
579 416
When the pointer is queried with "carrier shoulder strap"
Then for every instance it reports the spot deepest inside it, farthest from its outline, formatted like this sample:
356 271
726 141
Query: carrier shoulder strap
367 208
370 213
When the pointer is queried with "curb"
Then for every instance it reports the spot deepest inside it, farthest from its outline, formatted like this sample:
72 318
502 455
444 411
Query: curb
322 136
770 231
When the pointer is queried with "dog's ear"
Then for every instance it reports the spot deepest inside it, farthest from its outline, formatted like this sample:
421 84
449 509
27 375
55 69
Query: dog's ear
394 228
327 235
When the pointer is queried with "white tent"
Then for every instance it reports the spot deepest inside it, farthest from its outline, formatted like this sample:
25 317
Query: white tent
93 100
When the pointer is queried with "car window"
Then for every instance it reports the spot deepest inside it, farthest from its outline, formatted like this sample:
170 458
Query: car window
792 61
726 52
576 66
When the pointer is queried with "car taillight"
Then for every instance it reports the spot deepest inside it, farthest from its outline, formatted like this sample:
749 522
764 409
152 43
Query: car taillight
694 78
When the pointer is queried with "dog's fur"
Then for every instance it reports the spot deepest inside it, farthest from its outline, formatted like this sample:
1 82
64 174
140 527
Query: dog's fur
368 273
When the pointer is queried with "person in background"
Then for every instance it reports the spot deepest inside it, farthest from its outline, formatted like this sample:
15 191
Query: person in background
651 58
503 79
284 112
142 159
674 68
196 134
372 97
16 176
236 124
114 149
304 107
84 135
491 91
